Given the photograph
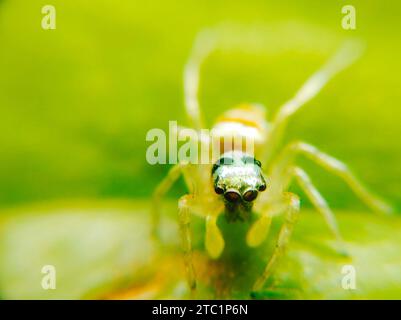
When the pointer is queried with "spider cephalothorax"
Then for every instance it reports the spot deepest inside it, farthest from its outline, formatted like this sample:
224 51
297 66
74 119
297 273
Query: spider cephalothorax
238 178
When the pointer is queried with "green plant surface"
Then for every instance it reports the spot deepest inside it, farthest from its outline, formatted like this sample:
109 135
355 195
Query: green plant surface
104 250
76 102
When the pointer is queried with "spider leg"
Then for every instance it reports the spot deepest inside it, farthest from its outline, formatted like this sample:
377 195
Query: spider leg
336 167
214 241
292 202
172 176
320 204
163 187
341 60
204 44
184 207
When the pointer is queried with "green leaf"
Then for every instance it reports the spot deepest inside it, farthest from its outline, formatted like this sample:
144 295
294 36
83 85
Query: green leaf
104 250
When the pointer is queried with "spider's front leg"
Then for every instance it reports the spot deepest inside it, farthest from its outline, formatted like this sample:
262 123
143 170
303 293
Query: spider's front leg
163 187
214 242
291 202
184 218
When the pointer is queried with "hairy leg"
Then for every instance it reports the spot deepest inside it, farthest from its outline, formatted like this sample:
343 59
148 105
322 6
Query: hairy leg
184 218
341 60
287 158
292 202
204 44
163 187
214 242
320 204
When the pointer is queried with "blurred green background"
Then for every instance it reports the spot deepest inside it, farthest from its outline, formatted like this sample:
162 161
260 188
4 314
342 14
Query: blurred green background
76 102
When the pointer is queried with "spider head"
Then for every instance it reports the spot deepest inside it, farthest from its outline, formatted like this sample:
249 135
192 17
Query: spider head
238 179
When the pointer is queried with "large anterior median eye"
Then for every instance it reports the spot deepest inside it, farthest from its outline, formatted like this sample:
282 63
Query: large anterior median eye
262 187
232 196
250 195
225 160
218 190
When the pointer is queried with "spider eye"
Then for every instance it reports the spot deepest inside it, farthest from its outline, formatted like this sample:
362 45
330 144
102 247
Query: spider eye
250 195
218 190
225 161
262 187
251 160
232 196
